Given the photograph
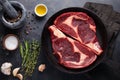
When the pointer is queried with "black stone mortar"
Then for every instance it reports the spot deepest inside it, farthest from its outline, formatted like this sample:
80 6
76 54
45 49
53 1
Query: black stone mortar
14 22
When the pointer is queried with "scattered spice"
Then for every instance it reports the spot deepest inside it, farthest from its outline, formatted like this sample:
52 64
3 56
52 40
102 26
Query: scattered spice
29 12
28 16
37 26
32 20
27 30
28 22
29 52
30 28
32 14
33 28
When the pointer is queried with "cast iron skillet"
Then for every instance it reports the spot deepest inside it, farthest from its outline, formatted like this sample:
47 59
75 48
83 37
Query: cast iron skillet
47 46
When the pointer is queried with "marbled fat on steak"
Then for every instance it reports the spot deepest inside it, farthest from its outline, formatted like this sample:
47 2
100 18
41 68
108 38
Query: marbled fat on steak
71 53
74 40
81 27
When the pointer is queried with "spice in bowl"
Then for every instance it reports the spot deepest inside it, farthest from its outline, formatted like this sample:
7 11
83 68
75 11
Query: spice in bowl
41 10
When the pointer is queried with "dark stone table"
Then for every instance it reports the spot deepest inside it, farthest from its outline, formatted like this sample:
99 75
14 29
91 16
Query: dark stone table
35 25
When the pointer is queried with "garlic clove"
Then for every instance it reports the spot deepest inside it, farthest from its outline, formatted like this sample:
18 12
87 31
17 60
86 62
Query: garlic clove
20 76
41 68
15 71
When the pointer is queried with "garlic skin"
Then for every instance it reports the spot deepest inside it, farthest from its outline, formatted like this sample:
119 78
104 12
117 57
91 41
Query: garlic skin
6 68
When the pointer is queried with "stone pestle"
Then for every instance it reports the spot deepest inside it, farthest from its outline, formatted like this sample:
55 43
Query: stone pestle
9 9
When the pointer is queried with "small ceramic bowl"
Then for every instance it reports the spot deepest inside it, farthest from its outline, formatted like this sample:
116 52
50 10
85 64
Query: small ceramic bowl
41 10
10 42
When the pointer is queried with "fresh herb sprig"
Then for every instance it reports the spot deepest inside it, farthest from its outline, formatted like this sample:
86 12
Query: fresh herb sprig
29 52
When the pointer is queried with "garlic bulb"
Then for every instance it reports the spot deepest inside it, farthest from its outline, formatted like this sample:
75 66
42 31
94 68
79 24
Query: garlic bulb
6 68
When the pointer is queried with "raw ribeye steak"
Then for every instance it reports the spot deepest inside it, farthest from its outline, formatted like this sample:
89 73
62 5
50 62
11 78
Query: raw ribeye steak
70 53
81 27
